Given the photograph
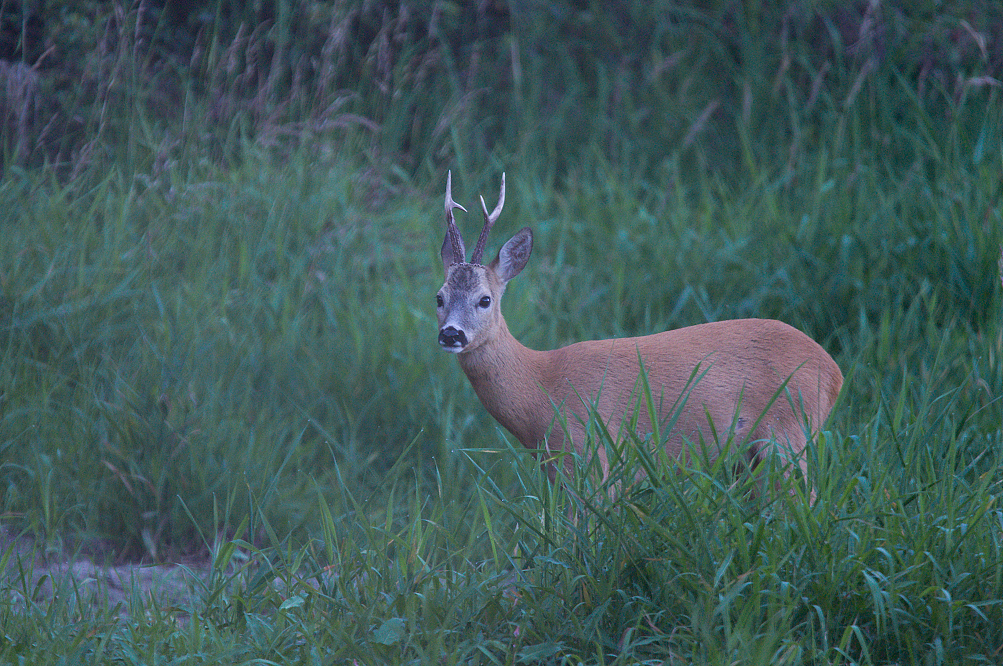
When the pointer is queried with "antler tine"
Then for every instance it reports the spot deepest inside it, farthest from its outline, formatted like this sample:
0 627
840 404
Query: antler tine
451 230
489 221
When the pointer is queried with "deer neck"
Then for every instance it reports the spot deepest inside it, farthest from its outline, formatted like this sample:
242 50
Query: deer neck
510 380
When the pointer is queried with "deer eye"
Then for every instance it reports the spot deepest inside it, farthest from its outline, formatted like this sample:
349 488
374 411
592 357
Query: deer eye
438 300
485 302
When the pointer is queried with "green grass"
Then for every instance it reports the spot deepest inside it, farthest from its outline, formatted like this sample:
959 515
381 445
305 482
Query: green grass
217 336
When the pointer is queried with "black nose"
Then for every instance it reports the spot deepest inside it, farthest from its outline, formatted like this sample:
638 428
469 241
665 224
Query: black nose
450 337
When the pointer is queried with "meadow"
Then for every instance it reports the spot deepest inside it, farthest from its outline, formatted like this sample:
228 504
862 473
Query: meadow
218 340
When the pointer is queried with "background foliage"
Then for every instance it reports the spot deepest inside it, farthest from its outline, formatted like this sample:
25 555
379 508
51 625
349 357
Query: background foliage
221 227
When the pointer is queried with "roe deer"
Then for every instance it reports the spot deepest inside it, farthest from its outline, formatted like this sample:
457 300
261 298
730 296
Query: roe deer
761 380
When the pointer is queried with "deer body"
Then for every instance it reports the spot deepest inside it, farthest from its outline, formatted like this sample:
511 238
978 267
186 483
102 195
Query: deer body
759 379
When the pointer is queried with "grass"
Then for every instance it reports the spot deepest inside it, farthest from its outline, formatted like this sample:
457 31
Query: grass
218 342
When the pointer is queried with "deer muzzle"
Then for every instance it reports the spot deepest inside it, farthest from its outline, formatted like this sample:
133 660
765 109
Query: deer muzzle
452 339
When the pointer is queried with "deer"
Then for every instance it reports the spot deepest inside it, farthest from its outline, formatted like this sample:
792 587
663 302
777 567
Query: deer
761 381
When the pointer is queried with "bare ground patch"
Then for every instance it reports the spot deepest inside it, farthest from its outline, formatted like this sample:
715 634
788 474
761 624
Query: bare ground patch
32 576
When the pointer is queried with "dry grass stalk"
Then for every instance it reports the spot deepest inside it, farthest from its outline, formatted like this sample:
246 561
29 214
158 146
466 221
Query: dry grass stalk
21 85
700 123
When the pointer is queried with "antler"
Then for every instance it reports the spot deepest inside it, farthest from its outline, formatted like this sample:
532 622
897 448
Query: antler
489 221
454 234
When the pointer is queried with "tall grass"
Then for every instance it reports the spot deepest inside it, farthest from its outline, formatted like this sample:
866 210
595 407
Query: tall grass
899 560
217 332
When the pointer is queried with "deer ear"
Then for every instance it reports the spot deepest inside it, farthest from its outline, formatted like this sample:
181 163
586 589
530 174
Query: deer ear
513 256
447 253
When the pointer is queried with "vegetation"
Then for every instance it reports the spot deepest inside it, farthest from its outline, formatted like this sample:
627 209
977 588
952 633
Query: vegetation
217 340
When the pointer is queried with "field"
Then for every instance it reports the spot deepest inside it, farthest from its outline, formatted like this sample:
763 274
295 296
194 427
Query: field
218 337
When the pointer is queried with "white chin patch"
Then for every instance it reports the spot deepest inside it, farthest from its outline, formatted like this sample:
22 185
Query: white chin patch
452 350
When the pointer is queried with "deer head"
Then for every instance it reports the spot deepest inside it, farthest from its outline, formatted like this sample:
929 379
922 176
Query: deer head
469 303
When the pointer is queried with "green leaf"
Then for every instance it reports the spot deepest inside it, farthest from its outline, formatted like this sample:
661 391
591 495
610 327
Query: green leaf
294 601
391 631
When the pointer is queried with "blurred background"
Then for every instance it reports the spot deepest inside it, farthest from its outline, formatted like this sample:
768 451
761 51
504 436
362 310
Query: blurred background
221 223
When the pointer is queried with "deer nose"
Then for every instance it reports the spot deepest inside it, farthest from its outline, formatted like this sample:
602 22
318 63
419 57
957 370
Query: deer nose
451 338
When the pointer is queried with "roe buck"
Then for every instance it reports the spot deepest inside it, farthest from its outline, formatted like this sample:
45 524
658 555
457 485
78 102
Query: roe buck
761 380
